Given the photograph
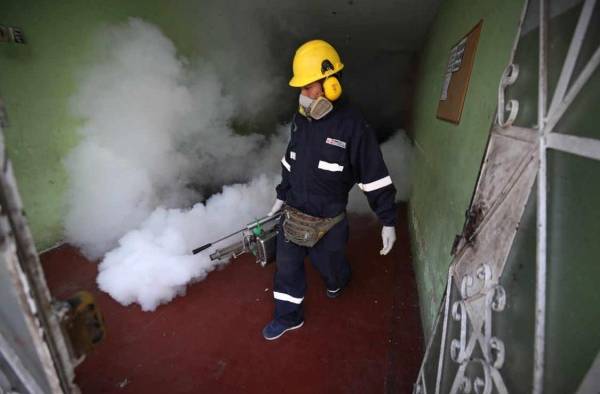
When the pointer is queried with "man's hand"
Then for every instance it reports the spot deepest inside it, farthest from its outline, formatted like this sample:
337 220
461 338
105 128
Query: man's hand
388 236
276 207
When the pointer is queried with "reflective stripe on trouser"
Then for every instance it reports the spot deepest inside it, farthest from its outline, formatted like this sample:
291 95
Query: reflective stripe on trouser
328 256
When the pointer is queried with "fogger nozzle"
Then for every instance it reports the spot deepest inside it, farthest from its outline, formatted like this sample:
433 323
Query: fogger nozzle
201 248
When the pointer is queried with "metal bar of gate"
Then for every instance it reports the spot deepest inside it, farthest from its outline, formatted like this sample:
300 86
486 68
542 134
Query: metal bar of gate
585 147
572 54
540 298
563 105
23 374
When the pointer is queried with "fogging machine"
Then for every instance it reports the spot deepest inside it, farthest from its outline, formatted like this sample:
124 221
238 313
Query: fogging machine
258 238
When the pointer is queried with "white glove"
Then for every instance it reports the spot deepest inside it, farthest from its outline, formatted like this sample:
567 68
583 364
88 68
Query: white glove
276 207
388 236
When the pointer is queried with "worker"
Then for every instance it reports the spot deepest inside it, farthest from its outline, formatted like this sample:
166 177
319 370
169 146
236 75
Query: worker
331 148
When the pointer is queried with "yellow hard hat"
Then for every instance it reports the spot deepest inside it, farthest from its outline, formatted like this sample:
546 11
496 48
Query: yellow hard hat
314 60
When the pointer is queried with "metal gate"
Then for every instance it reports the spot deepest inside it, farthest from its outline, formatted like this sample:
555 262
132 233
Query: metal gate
35 354
492 333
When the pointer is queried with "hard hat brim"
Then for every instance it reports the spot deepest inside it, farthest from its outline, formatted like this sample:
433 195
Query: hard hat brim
297 82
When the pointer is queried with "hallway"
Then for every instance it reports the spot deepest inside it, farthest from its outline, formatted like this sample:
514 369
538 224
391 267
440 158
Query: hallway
209 341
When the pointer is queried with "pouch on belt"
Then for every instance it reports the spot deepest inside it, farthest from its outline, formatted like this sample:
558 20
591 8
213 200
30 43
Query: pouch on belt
306 230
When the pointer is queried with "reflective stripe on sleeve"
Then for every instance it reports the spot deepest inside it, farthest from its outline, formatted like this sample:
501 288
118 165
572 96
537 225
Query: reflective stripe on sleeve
286 164
378 184
286 297
334 167
292 155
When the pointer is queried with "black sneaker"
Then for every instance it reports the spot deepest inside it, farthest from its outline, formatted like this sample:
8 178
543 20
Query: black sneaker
275 329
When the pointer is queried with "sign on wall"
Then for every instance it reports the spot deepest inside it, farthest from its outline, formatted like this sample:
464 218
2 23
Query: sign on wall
456 78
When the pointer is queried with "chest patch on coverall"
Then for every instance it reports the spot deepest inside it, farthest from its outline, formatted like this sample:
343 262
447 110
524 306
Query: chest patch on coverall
338 143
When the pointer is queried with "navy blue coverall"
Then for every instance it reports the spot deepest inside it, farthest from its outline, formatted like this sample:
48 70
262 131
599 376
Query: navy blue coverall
323 161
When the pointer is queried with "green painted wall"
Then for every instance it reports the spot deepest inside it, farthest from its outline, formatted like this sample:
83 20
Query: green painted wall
37 79
448 155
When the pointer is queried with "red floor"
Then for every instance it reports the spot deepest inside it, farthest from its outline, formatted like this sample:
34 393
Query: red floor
209 341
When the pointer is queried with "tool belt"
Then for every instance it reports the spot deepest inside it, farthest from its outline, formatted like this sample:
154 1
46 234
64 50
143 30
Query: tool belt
306 230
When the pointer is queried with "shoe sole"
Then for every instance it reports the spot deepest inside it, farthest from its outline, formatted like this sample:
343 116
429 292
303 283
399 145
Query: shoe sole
284 331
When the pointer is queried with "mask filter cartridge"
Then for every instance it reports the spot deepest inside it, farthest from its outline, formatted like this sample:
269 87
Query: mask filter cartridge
315 108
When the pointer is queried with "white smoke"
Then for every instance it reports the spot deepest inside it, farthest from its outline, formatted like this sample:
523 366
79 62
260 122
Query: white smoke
152 128
241 51
157 137
153 264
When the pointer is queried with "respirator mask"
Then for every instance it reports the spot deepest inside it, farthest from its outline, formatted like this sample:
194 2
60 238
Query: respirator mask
315 108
